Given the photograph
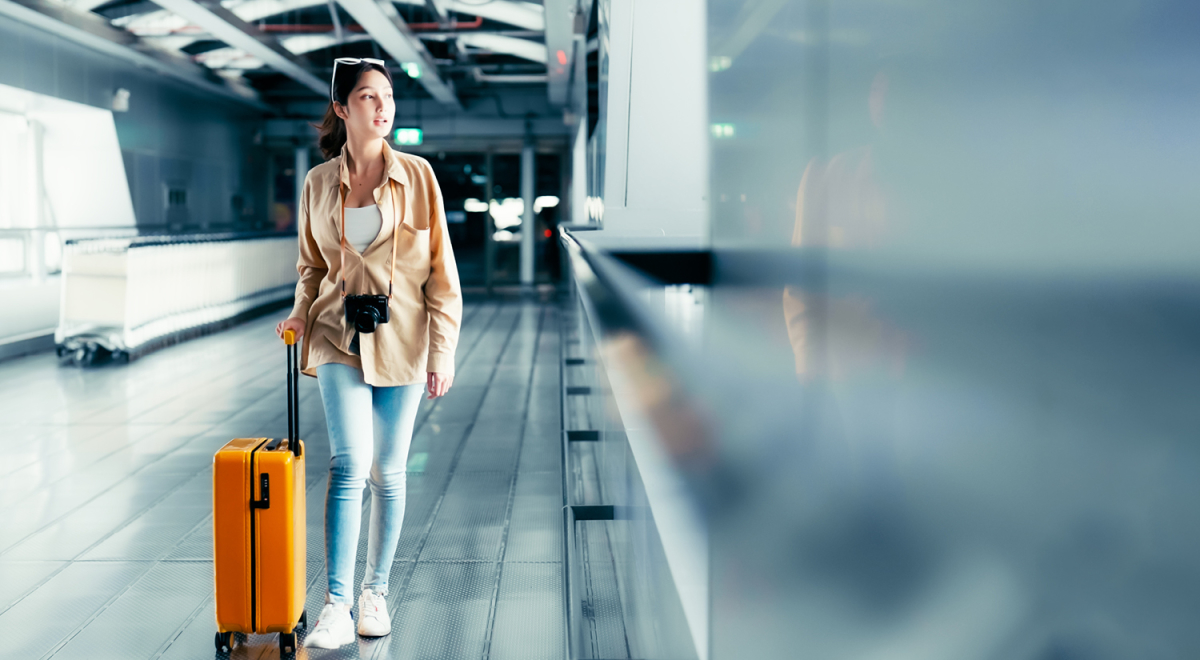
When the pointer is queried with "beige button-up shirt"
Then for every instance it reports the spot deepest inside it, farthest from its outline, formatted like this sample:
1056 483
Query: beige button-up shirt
426 303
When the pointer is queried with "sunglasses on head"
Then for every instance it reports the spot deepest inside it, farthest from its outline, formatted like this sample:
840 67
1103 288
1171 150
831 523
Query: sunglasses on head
349 61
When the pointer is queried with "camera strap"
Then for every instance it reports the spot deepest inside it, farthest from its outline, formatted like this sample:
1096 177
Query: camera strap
395 235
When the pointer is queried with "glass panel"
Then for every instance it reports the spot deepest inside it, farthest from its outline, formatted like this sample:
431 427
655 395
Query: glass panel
12 255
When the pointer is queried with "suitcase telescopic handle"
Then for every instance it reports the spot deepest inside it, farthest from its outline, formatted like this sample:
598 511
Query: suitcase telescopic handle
293 393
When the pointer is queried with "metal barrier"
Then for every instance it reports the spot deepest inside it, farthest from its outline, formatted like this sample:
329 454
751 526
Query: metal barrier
122 297
622 594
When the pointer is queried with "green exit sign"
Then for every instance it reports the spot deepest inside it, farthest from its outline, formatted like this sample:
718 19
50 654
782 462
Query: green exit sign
409 136
723 131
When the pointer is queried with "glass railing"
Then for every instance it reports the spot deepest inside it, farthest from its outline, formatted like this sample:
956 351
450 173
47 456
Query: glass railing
635 543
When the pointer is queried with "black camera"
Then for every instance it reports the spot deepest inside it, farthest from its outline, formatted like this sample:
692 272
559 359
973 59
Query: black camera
366 311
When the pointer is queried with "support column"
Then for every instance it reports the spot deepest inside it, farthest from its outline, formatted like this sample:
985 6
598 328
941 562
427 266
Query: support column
301 172
579 175
528 231
37 237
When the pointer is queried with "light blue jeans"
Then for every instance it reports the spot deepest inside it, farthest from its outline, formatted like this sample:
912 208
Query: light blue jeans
370 429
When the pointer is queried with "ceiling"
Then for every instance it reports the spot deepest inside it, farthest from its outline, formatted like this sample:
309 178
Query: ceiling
278 54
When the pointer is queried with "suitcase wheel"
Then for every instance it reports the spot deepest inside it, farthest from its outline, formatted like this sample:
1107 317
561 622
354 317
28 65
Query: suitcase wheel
287 644
224 642
303 622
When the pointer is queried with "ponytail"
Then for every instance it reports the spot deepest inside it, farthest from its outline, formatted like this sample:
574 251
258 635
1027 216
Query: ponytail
332 134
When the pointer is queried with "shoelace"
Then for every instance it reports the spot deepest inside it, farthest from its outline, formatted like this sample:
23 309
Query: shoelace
376 602
324 621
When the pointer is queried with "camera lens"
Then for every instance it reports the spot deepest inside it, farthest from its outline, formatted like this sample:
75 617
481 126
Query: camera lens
366 319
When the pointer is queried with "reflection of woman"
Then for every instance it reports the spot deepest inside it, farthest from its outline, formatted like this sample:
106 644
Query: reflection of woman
841 206
371 222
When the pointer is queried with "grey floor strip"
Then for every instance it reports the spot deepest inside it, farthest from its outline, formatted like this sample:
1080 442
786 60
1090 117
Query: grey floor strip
512 488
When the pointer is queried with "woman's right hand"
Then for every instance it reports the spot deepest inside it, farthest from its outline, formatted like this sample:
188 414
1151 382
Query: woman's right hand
294 324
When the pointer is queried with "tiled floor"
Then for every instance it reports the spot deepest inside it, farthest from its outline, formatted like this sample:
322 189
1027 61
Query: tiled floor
105 498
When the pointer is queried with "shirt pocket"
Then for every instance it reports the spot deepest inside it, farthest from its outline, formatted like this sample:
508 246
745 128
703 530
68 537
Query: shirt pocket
412 250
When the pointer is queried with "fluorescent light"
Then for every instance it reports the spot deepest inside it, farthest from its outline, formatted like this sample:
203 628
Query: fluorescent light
507 213
544 202
472 205
412 69
595 208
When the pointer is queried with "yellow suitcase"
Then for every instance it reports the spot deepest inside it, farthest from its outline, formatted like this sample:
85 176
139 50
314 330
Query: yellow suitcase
258 530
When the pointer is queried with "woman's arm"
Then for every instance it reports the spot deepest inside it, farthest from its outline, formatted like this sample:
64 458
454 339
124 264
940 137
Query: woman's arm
443 295
311 264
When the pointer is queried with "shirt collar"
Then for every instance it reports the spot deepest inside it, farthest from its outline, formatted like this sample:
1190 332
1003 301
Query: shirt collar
391 166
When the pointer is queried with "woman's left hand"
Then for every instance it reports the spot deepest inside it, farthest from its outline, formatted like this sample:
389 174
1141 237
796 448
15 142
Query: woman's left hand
438 384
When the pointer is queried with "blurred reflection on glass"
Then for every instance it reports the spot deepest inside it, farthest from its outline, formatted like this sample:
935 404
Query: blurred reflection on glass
841 206
955 363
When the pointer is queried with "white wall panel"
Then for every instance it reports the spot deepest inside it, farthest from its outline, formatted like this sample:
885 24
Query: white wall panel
656 149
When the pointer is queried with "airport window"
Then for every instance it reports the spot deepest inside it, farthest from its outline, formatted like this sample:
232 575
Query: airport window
16 191
16 172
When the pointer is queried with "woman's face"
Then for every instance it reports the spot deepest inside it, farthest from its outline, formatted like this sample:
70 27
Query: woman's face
370 108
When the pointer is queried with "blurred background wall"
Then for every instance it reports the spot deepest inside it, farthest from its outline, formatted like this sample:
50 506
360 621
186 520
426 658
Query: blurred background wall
171 137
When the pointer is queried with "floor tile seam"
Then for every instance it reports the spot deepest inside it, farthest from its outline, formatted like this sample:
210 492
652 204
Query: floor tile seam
402 590
512 488
146 561
123 525
187 621
92 464
451 561
41 426
459 450
66 564
185 389
424 418
84 442
207 520
100 610
148 437
466 356
142 512
17 468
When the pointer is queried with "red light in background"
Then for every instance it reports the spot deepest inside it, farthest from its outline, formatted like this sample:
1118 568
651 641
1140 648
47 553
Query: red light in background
562 58
548 233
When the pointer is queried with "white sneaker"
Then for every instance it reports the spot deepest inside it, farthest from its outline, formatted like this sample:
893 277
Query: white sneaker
373 619
334 628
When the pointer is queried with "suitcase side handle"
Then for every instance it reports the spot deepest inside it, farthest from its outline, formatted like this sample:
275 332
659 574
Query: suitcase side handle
293 393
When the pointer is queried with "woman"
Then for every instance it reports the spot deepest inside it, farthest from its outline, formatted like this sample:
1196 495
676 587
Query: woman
371 223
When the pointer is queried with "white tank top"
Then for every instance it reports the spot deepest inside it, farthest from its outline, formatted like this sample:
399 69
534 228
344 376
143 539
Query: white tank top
363 225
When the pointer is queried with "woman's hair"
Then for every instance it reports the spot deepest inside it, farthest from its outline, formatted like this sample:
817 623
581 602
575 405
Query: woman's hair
332 128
